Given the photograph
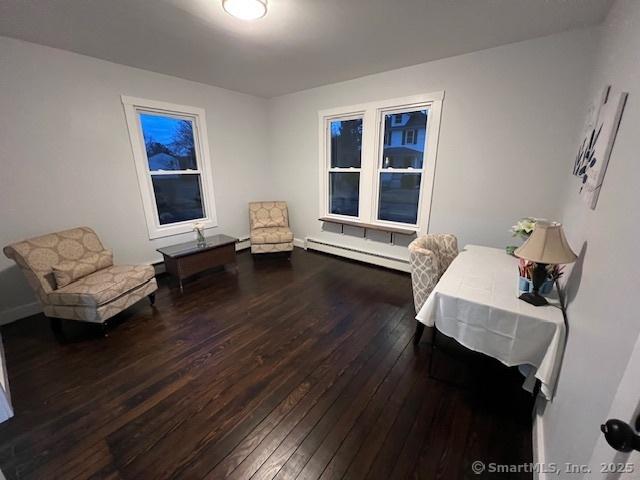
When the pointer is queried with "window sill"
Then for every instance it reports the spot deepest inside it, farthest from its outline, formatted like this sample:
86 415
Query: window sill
371 226
179 229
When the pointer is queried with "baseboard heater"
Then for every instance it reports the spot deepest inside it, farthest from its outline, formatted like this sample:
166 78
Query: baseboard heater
380 259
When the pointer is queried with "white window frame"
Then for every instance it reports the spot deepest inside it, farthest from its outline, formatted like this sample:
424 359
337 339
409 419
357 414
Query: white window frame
373 114
327 169
132 107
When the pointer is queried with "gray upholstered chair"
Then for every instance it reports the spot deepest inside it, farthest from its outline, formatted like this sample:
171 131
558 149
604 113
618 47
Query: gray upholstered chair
74 277
429 257
269 223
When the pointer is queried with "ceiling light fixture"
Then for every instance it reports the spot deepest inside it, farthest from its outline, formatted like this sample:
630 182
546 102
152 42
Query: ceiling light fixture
245 9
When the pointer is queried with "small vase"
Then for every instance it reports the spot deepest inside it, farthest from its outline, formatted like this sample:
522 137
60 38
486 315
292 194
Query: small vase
200 238
526 286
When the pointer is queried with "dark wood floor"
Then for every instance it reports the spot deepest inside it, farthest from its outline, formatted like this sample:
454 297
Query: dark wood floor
285 369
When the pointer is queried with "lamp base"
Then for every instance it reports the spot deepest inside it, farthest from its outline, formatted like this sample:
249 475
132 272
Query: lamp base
534 299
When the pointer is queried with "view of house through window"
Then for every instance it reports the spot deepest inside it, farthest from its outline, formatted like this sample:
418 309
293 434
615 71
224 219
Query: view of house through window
402 161
378 161
173 166
171 153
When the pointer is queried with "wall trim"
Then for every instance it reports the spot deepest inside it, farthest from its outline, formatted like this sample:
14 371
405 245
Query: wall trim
388 261
21 311
300 243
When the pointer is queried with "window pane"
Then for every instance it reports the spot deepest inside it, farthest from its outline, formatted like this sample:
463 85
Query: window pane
169 142
344 191
399 195
405 138
178 197
346 143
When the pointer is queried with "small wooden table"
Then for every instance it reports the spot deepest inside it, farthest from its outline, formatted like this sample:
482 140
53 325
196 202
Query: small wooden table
186 259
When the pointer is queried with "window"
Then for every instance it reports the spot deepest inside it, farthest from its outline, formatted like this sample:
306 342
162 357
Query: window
410 136
378 160
172 161
400 171
344 168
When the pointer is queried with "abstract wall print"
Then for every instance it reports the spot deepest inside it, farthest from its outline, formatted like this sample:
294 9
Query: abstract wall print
594 151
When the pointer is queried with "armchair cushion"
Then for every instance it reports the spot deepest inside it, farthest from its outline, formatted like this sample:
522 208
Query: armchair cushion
71 270
271 247
103 286
271 235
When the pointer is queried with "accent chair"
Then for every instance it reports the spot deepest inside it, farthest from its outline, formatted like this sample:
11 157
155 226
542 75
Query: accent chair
74 277
429 257
269 223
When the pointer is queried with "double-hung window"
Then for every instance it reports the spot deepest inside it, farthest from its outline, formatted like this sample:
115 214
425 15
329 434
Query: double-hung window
344 165
377 162
400 169
173 166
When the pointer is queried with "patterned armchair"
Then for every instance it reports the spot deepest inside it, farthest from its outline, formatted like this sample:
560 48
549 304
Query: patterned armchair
74 277
429 257
269 223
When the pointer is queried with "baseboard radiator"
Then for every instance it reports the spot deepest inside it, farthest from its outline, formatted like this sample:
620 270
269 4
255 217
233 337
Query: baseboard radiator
388 261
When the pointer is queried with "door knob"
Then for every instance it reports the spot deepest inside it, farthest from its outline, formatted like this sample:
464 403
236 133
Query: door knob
620 435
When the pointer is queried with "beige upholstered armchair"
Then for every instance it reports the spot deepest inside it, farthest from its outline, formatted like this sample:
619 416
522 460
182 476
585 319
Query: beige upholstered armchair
429 257
74 277
269 223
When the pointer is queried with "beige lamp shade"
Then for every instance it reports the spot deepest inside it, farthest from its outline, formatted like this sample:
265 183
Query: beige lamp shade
547 244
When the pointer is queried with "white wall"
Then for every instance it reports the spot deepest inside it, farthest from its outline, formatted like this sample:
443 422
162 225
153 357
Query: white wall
603 312
510 124
66 159
507 116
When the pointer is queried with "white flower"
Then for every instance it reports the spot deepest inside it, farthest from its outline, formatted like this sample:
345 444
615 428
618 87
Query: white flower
524 227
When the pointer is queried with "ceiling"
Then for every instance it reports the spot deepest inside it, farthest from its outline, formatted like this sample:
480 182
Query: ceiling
299 44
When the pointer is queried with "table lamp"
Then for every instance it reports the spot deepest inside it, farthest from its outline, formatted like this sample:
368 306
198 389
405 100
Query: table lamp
546 245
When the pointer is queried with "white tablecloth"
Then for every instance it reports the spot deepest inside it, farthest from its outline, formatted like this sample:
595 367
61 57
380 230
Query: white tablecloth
476 302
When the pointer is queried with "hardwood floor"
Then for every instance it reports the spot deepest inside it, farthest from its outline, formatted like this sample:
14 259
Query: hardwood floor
284 369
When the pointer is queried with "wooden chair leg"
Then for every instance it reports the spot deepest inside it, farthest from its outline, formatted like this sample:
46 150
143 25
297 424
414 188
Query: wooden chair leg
56 325
56 328
152 298
419 331
433 353
104 329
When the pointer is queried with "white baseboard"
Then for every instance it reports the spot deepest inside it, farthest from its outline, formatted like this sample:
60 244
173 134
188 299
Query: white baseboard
300 243
21 311
537 434
360 255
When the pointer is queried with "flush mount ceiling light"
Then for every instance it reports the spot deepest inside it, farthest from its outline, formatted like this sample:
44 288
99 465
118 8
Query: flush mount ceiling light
245 9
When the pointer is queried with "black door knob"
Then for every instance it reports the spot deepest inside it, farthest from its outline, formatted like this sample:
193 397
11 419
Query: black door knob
620 435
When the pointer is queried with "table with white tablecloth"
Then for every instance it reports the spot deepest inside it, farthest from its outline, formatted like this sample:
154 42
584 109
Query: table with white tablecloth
476 303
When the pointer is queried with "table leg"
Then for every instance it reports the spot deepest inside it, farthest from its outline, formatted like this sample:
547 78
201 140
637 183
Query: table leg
181 288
